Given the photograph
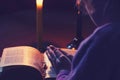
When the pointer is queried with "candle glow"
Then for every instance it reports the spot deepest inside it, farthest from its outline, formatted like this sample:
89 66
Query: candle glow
39 22
39 3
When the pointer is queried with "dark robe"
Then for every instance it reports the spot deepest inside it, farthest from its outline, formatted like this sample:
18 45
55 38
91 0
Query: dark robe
98 56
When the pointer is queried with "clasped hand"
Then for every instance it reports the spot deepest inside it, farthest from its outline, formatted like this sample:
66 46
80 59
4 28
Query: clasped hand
59 59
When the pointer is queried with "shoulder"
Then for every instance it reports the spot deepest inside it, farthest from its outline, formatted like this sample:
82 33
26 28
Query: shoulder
106 37
106 32
108 28
104 29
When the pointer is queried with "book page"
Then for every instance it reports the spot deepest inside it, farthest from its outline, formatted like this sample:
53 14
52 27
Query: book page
69 51
22 55
0 66
50 73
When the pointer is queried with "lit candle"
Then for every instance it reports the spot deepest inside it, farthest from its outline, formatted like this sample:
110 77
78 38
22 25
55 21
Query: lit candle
39 24
78 5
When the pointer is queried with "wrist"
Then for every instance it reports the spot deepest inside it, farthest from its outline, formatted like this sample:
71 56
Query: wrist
62 74
65 71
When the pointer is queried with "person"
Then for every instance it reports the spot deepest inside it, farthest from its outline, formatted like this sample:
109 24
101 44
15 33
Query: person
98 56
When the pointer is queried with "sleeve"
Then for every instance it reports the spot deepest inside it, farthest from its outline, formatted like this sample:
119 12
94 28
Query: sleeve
62 74
98 61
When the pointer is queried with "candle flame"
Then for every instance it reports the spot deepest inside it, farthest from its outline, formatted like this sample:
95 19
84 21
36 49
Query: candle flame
39 3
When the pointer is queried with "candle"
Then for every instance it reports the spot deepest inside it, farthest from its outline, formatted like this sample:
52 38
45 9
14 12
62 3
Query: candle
78 5
39 24
39 4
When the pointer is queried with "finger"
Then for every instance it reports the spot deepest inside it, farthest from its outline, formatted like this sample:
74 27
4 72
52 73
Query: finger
48 55
57 52
58 61
51 52
52 60
66 63
52 47
63 52
64 58
66 54
53 56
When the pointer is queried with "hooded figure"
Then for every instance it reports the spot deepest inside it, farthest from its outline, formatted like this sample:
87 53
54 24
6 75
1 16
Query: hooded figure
98 56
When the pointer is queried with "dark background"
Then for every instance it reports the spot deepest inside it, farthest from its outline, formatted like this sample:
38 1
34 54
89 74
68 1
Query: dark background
18 23
10 6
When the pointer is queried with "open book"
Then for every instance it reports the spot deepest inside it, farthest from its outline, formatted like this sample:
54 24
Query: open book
29 56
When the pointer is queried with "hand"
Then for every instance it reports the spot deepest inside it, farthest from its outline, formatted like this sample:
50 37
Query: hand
59 59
